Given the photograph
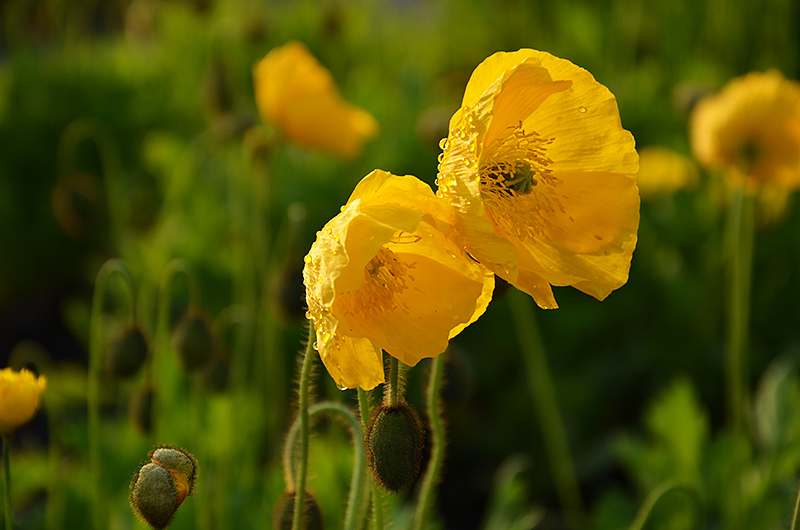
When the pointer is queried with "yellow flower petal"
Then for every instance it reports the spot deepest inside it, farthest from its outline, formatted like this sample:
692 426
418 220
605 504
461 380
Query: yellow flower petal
542 176
297 93
388 273
19 397
751 129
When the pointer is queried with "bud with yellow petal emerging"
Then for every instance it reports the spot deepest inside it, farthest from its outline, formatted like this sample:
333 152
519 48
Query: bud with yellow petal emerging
159 486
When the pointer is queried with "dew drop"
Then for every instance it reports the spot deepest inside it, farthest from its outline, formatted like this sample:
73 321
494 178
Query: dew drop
326 336
308 315
466 162
307 259
342 388
462 135
330 230
315 346
443 143
440 158
336 238
581 109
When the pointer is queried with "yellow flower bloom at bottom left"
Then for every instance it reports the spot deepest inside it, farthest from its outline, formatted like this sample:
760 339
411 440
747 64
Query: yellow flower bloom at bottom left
19 397
387 273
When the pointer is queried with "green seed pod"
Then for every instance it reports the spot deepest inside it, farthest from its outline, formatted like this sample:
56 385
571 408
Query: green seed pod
126 353
154 497
284 513
192 340
395 440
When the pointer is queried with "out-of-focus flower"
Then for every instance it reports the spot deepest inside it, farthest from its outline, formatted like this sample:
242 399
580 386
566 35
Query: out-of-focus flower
663 171
298 94
751 130
386 274
542 176
19 397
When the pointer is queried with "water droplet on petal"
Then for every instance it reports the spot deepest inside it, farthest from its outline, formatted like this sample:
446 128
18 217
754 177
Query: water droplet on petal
315 346
581 109
308 315
342 388
443 143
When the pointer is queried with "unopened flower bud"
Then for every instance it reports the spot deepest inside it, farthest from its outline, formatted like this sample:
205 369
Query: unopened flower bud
192 340
284 512
140 408
394 444
126 353
159 487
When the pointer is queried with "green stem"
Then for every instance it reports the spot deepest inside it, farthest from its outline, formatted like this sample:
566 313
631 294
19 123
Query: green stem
740 234
302 468
427 491
546 405
654 496
357 480
377 508
796 516
95 363
394 377
7 481
155 373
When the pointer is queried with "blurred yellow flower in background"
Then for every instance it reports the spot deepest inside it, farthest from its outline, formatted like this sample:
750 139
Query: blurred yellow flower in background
663 171
299 95
19 397
542 176
751 129
387 274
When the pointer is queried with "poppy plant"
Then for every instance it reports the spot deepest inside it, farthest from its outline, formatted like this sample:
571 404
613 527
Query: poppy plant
542 176
387 273
19 397
294 91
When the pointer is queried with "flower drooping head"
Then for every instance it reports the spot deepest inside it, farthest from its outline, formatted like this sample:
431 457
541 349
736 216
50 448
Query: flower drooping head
298 94
19 397
542 176
387 274
751 130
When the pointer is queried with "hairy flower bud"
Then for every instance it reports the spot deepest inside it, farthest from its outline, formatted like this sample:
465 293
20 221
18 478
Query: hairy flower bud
159 486
192 340
126 353
284 512
395 441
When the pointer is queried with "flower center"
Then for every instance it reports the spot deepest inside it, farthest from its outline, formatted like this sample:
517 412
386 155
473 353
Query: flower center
384 277
517 187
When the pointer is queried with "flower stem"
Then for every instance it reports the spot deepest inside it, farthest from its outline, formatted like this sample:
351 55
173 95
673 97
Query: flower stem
7 481
796 516
740 236
427 491
302 467
377 509
544 401
394 376
95 362
654 496
356 482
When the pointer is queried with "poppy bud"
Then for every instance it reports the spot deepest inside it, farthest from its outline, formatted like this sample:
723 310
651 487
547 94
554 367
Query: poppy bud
140 408
126 353
284 513
192 340
159 487
394 444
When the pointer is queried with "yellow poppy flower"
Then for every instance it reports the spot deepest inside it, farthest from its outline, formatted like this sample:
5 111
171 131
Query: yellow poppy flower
19 397
663 171
298 94
387 274
542 176
751 129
